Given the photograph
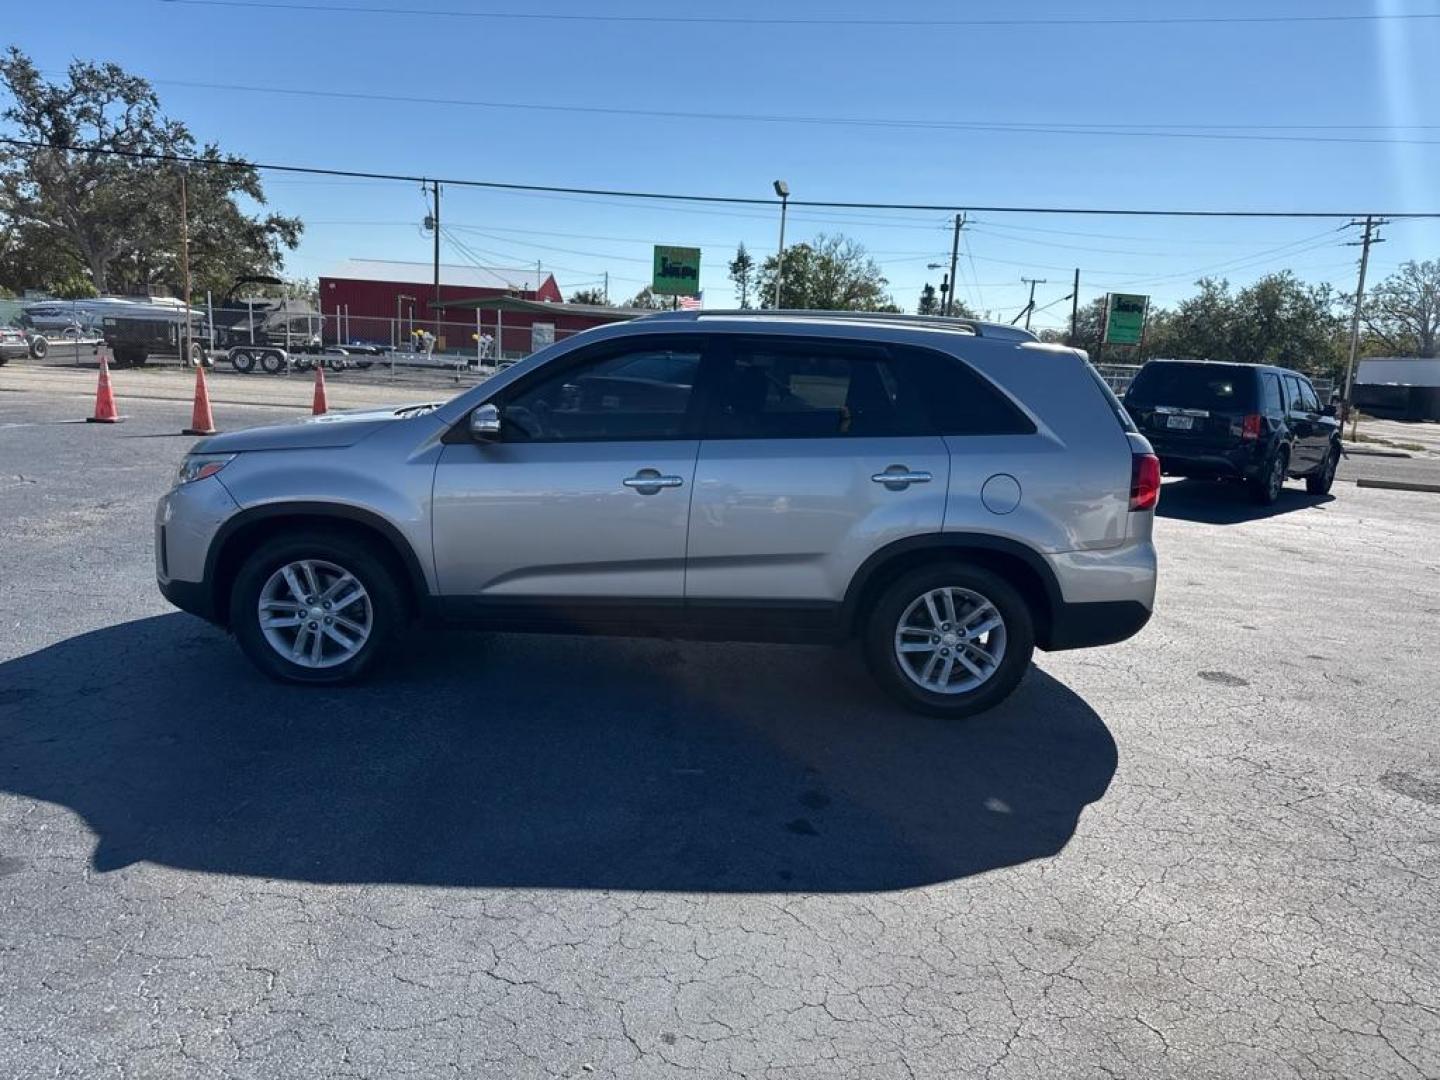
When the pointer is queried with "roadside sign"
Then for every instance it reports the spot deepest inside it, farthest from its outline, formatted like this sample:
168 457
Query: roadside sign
1125 318
677 271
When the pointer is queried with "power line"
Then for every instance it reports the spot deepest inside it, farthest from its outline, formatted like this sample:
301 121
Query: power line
829 20
1223 132
733 200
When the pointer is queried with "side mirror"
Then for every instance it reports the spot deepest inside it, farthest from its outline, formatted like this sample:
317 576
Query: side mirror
1330 410
485 424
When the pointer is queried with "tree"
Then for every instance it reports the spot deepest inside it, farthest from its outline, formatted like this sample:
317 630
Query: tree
742 273
589 296
928 305
1402 313
646 300
833 273
116 219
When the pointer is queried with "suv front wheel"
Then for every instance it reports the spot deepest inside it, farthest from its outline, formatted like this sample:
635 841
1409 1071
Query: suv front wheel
949 640
315 607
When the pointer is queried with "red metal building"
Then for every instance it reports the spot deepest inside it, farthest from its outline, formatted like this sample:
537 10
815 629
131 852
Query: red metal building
381 301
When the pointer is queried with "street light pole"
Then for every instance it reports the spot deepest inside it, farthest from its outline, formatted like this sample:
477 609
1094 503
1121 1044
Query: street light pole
185 261
782 189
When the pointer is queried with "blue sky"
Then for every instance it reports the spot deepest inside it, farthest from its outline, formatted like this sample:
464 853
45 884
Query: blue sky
1328 80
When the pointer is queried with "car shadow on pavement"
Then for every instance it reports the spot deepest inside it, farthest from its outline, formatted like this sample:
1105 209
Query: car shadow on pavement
1211 502
506 760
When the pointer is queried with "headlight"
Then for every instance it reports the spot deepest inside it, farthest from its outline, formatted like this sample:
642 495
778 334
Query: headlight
199 466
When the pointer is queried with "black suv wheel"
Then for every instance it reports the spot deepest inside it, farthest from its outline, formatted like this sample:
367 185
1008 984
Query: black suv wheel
1266 487
949 640
315 607
1322 479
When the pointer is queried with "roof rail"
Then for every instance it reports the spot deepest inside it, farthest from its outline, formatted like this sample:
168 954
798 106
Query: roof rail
998 331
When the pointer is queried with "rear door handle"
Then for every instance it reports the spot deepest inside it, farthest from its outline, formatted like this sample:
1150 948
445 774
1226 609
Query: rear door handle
898 477
649 481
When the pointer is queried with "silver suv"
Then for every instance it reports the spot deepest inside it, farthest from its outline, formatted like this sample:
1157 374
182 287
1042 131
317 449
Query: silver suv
953 493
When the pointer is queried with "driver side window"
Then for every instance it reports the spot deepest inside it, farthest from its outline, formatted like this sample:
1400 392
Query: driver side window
637 393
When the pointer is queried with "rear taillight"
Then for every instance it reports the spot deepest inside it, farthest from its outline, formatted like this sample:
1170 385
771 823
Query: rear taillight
1250 427
1144 481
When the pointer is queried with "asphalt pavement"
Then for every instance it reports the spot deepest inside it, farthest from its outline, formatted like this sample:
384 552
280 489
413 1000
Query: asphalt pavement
1212 851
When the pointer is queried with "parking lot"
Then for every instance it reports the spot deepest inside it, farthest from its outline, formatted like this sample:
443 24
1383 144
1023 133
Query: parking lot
1210 851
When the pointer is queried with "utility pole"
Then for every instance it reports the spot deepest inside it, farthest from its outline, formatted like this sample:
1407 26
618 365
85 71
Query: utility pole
606 293
185 263
954 258
1371 224
1030 304
1075 309
435 220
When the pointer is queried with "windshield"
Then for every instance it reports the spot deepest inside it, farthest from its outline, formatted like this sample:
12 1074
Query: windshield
1217 387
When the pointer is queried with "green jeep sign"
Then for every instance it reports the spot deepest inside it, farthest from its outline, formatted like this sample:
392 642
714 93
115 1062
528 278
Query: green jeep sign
677 271
1125 318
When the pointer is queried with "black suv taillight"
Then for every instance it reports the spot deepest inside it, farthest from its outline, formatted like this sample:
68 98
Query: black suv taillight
1144 481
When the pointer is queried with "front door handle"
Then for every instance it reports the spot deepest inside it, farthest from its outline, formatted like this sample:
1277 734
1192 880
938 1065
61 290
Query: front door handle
649 481
898 477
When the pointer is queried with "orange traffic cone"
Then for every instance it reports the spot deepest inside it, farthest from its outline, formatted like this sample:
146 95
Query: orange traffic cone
105 411
319 407
202 421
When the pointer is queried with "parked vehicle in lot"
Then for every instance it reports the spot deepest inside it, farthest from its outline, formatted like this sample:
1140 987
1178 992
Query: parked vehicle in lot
14 344
953 493
1246 422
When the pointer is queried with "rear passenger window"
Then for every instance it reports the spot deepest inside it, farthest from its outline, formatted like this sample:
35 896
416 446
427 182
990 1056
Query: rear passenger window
961 401
1270 387
800 391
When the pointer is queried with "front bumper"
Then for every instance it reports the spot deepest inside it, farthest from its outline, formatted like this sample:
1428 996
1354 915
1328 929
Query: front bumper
186 521
192 596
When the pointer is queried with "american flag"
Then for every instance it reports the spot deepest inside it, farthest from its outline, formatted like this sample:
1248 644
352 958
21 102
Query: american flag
692 303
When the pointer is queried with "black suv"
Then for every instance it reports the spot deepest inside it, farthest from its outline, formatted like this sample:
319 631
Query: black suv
1245 421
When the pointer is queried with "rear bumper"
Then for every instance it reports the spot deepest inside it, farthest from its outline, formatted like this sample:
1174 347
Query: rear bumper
1081 626
1242 461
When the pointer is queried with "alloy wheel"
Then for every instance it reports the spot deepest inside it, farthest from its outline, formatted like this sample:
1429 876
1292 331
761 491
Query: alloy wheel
950 640
315 613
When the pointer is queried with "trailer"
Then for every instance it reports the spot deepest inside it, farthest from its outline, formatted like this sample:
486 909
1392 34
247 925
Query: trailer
134 338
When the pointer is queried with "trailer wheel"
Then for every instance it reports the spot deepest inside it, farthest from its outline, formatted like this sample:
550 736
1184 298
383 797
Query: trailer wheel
197 354
272 362
336 361
242 361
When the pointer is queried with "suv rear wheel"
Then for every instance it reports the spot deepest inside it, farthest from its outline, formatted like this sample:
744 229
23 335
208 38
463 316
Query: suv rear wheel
950 640
315 607
1266 487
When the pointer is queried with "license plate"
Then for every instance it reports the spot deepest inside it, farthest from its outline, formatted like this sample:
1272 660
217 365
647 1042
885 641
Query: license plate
1180 423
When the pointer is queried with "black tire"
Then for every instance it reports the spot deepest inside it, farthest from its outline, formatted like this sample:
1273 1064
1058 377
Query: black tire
197 354
242 361
39 346
350 553
882 623
1322 479
336 361
1266 487
271 362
